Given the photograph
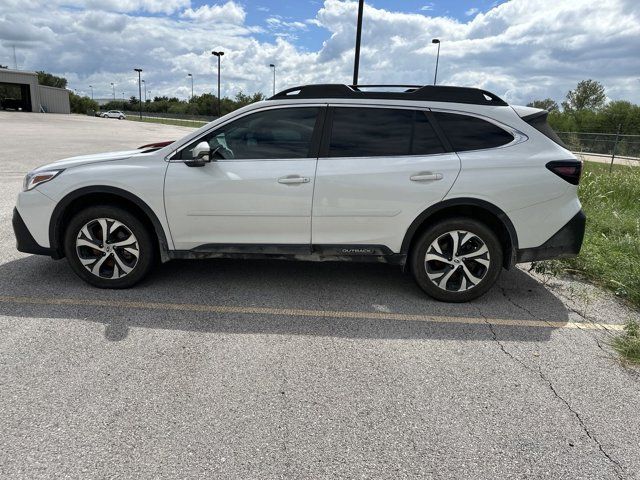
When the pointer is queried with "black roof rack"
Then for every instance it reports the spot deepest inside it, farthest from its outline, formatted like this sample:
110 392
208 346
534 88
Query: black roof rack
433 93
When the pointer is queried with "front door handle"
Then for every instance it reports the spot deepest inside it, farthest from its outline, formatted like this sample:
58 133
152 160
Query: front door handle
293 180
425 177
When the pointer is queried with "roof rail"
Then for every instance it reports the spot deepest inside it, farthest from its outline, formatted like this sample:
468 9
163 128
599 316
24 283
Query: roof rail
433 93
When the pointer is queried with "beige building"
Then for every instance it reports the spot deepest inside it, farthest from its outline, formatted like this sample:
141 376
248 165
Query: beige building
29 96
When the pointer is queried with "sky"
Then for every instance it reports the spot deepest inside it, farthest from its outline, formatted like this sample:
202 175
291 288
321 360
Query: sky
520 49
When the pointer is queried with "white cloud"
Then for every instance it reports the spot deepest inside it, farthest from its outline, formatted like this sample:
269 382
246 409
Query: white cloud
229 12
276 22
427 7
519 49
471 12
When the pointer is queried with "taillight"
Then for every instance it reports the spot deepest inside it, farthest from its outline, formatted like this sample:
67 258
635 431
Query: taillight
568 170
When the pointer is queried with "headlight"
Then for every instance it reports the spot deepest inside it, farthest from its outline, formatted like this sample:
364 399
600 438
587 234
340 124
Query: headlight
33 179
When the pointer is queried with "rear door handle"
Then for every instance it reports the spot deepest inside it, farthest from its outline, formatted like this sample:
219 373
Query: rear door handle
426 177
293 180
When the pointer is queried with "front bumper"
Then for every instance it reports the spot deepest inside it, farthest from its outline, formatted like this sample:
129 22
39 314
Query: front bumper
565 243
24 240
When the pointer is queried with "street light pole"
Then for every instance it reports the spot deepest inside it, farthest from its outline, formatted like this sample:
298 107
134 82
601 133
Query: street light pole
274 77
113 85
91 87
190 75
435 76
271 65
356 63
145 91
139 70
218 54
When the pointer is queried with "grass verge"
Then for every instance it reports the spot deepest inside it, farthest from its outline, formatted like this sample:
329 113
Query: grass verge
628 344
610 254
168 121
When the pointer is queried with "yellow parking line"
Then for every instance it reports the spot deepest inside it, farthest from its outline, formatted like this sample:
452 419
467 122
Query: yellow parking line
295 312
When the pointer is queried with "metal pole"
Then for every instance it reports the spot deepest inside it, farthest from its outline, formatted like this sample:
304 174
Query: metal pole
218 54
274 77
435 76
615 146
91 87
356 63
219 104
139 70
114 91
192 87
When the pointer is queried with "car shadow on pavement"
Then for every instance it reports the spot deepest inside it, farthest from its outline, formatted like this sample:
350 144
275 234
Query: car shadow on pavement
375 289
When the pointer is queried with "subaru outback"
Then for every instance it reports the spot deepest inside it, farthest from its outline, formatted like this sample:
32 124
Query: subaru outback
450 183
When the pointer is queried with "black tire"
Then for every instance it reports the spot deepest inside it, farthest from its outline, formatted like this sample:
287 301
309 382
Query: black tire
132 230
467 264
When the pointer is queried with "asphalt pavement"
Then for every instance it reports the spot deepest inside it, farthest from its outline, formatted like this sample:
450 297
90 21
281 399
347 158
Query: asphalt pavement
276 369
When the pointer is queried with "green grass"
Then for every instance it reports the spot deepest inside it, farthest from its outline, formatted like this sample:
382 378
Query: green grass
628 344
610 254
168 121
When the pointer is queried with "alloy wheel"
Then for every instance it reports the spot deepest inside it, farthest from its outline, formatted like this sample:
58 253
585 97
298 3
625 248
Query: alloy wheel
457 261
107 248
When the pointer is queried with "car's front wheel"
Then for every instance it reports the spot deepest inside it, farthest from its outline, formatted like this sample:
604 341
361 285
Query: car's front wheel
457 260
108 247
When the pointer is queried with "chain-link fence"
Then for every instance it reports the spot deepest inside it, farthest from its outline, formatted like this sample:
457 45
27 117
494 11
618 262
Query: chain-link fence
603 144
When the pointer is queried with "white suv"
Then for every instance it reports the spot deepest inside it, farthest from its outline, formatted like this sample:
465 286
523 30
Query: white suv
451 183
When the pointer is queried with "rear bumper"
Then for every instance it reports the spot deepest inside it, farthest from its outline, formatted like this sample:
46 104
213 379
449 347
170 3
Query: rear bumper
565 243
24 240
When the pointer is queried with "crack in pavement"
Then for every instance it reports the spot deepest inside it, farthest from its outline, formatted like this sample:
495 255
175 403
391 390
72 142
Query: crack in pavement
539 373
616 465
635 376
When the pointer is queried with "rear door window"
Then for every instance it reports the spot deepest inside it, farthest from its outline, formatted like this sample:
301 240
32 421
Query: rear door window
471 133
374 132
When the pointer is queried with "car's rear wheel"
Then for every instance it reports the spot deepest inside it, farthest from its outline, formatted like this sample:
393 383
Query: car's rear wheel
108 247
457 260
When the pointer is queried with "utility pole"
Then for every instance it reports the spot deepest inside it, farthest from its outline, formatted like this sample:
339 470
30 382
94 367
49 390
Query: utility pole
356 63
190 75
139 70
218 54
91 87
113 85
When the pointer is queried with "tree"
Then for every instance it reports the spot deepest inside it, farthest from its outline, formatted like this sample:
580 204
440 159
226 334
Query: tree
243 99
50 80
620 113
588 95
82 104
547 104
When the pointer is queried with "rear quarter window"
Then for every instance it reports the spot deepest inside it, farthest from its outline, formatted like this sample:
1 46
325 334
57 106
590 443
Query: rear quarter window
471 133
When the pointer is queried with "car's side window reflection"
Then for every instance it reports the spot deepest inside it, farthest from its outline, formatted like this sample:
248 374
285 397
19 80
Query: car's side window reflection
271 134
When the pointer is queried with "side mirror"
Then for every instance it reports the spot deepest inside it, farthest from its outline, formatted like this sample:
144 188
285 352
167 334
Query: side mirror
201 152
201 155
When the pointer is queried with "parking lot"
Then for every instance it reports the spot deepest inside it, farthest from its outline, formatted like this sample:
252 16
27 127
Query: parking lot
266 369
